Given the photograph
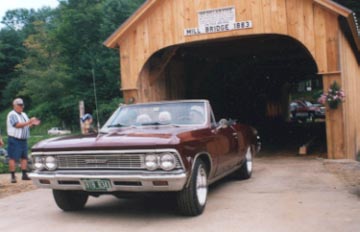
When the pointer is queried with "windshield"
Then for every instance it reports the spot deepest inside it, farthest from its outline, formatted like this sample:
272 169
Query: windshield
174 113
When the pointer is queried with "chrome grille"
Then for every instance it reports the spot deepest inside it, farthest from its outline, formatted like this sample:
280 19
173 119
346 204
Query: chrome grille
123 161
104 161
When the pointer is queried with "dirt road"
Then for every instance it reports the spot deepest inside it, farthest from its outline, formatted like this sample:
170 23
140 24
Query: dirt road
286 194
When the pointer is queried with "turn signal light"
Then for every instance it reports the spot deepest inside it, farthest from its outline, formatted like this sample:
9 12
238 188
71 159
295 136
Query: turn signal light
44 181
160 183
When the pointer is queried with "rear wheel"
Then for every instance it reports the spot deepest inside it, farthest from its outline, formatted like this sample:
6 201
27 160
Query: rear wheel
246 168
192 199
70 200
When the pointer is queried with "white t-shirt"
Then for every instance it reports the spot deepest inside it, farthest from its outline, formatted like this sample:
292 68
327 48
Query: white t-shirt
12 119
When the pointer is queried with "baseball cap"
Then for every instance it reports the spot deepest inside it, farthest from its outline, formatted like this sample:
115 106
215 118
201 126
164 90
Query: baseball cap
86 117
18 101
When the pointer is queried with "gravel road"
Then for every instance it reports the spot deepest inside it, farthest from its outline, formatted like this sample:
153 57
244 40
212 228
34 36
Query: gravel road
286 193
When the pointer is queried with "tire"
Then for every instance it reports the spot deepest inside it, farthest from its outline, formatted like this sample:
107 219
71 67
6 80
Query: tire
245 171
70 200
191 200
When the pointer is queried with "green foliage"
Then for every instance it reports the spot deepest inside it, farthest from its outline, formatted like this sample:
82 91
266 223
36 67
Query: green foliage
3 115
52 57
11 54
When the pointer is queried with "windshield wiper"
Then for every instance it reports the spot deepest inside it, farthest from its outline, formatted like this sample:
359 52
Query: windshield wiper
158 124
116 125
151 124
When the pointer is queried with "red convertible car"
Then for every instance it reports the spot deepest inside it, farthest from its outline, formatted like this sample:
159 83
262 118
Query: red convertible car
173 146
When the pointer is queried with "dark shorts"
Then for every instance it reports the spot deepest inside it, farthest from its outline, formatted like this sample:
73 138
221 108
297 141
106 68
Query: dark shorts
17 148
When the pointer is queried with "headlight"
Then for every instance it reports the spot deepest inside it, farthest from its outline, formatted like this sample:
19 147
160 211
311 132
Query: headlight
39 163
151 162
50 163
167 162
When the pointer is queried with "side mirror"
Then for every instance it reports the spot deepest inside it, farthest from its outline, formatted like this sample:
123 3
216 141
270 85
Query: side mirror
223 123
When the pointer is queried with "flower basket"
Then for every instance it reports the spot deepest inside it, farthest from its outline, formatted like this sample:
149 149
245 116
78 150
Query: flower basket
333 97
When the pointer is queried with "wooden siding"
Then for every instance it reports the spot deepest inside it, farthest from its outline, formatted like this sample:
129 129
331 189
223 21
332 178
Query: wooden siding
351 85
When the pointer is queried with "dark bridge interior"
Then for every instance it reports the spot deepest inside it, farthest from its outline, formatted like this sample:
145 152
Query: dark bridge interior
250 79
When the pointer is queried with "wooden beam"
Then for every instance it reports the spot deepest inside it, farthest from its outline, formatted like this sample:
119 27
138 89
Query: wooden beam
155 73
334 7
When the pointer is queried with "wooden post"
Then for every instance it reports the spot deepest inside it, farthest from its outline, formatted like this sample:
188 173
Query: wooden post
81 113
334 122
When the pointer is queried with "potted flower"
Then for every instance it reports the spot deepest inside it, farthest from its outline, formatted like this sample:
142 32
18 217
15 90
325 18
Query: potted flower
333 97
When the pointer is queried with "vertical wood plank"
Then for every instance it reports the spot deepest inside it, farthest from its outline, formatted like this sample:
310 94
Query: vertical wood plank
350 84
309 38
256 15
320 39
332 42
334 123
266 10
178 17
125 58
295 21
278 16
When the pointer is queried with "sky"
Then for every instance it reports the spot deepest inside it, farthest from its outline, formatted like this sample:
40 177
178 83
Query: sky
6 5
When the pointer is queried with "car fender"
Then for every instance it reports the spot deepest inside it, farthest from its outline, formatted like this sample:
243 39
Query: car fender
209 161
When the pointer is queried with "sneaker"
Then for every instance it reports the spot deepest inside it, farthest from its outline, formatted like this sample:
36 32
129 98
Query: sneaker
13 179
25 177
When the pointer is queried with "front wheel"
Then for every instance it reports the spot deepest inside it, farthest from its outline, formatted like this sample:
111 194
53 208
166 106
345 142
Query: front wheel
192 199
246 168
70 200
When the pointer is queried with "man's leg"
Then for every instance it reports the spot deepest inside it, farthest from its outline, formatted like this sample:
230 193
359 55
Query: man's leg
12 166
14 155
24 169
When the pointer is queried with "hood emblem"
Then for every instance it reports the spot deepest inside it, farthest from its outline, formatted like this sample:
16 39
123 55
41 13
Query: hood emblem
96 161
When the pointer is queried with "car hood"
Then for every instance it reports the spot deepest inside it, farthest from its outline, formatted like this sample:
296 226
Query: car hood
124 138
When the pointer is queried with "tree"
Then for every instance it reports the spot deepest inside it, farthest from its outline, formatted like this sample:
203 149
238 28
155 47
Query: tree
11 54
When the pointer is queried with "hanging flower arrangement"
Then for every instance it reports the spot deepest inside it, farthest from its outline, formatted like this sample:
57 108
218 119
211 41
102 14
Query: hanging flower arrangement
333 97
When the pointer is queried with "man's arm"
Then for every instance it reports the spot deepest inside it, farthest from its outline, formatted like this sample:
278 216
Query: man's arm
23 124
14 121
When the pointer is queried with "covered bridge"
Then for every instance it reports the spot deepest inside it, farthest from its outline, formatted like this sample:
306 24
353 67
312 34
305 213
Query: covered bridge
243 56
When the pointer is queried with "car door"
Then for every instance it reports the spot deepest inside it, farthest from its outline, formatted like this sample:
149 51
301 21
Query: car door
227 147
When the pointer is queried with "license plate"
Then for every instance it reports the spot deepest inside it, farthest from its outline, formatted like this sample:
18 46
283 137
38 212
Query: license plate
97 184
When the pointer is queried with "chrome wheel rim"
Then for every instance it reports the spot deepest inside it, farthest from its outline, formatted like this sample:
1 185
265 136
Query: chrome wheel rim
201 185
249 163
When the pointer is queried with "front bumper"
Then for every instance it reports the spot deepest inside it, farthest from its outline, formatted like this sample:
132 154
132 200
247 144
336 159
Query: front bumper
140 181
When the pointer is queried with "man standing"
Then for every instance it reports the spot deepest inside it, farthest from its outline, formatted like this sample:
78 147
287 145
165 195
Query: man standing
18 129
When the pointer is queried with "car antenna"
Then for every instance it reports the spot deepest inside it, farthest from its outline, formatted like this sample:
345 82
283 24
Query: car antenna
96 103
